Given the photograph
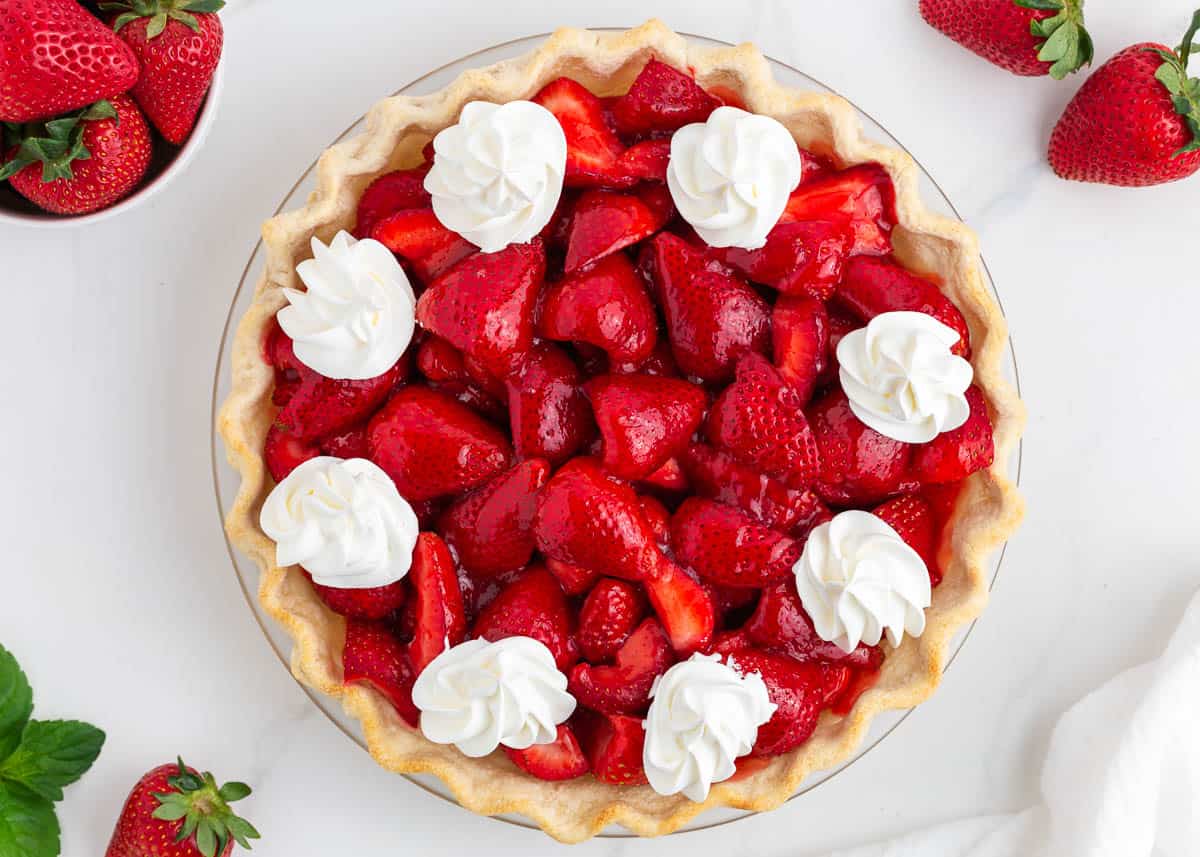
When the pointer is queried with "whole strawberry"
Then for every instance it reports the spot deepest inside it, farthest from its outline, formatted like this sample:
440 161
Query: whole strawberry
178 43
1135 121
1027 37
56 58
174 811
81 162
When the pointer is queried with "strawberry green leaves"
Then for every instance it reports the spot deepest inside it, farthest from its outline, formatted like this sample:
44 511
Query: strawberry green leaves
38 759
1185 91
1068 47
56 143
160 12
204 809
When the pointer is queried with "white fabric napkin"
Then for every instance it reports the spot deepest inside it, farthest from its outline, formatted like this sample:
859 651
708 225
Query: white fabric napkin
1121 777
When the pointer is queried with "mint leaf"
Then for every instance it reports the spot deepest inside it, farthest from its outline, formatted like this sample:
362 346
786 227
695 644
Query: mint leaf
28 826
52 754
16 703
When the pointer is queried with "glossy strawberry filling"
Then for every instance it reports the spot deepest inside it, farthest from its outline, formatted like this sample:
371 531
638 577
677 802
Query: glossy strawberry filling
617 438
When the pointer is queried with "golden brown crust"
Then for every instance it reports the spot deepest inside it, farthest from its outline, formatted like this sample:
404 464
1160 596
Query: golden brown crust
988 509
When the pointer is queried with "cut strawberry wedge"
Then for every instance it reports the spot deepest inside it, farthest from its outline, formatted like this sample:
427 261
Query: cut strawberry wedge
624 687
373 656
606 221
284 452
800 341
684 608
863 195
592 147
320 406
441 621
370 604
562 759
418 237
859 466
574 579
779 623
351 443
391 192
669 478
956 454
661 99
534 606
646 161
803 258
658 517
724 546
798 691
548 413
613 744
610 613
912 519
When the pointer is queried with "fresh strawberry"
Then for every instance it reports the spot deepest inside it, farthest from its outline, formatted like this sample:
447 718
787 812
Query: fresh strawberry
534 606
608 616
802 258
644 420
574 579
861 194
173 811
859 466
592 147
605 305
348 443
283 452
871 286
661 99
484 305
1135 121
1026 37
798 692
373 656
561 759
585 517
178 45
956 454
724 546
683 606
657 517
440 620
78 163
661 363
418 237
780 624
320 407
624 687
391 192
912 519
712 318
548 413
613 744
56 58
800 341
432 446
491 529
377 602
646 161
759 420
605 222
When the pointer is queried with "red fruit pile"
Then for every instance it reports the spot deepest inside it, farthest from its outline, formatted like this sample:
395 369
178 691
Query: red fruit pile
618 438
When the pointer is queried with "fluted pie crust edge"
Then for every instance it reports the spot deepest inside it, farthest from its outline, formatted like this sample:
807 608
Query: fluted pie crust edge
987 512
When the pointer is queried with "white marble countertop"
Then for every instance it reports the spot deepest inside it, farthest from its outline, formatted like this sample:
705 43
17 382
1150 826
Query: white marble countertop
118 594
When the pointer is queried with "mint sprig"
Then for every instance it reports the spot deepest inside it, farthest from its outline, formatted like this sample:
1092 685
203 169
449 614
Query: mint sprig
38 759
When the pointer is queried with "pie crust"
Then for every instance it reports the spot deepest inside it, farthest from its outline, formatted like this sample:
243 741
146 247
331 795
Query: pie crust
987 512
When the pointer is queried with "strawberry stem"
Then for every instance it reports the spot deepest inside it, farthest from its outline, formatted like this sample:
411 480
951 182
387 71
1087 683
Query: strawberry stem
160 12
203 808
1184 91
1187 45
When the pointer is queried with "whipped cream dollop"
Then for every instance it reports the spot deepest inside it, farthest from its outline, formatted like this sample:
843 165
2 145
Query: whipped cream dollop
902 378
730 177
344 521
498 174
703 715
857 579
478 695
358 313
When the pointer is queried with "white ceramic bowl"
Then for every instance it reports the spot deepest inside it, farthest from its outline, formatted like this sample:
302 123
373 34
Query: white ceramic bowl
16 210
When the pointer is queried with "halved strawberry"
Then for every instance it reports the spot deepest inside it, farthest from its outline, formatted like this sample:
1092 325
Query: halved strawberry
320 406
661 362
956 454
644 420
373 656
798 691
729 642
484 305
438 360
803 258
613 744
283 452
779 623
657 517
391 192
604 222
608 616
561 759
683 606
432 446
574 579
724 546
350 443
840 324
548 413
624 687
646 161
418 237
440 618
669 477
759 420
605 305
661 99
592 147
871 286
862 194
491 529
800 341
859 466
858 682
377 602
534 606
912 518
712 318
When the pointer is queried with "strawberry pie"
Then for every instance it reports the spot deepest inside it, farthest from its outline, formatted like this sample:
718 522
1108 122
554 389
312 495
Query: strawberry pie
619 433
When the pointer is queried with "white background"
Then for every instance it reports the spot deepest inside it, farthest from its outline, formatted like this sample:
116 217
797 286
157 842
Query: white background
118 596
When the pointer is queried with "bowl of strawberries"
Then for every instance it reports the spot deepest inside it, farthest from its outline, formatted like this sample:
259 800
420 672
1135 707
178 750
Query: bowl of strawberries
102 104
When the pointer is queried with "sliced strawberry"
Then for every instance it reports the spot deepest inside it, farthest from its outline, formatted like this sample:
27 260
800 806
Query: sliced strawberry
646 161
956 454
561 759
661 362
803 258
712 318
491 529
608 616
391 192
861 194
418 237
729 642
684 607
859 466
548 413
858 682
657 517
661 99
373 656
605 222
592 147
556 232
605 305
759 420
484 305
574 579
800 341
724 546
943 500
912 518
432 446
438 360
872 286
840 324
440 618
534 606
284 452
799 693
779 623
669 477
320 406
350 443
624 687
377 602
613 744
